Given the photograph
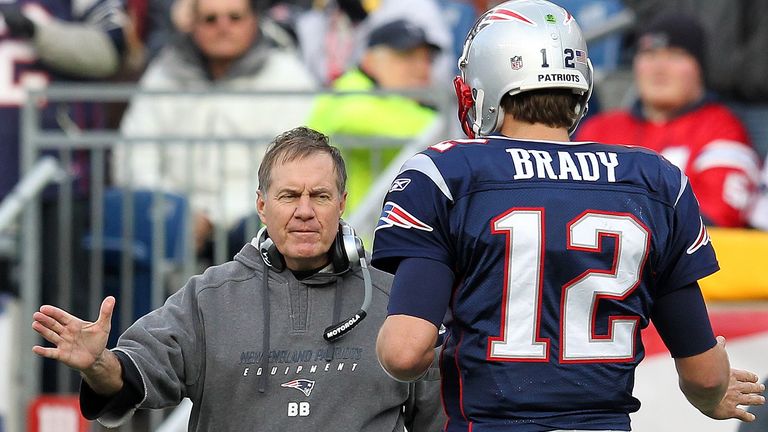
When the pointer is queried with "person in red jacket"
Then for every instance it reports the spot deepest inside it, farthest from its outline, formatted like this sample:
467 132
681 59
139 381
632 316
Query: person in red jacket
676 117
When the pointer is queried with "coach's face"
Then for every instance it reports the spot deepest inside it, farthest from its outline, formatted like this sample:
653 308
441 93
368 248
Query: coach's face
224 29
301 210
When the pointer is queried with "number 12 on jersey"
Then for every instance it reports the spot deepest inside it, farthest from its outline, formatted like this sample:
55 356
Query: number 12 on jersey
523 284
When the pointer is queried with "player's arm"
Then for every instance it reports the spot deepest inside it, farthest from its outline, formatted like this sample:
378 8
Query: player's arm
704 377
703 368
405 346
417 304
89 46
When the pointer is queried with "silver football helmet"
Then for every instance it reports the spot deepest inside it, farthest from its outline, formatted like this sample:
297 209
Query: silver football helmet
518 46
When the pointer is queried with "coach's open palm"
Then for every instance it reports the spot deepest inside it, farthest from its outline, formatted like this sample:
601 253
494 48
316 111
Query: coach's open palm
78 343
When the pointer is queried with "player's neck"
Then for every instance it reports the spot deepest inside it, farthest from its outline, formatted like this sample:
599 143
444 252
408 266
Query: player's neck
512 128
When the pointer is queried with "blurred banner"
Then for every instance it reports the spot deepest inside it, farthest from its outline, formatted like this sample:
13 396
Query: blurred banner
6 345
50 413
742 276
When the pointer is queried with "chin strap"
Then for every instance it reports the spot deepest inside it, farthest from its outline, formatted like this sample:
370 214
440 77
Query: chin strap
466 102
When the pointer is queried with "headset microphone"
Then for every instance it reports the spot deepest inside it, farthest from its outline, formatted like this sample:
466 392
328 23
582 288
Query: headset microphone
341 328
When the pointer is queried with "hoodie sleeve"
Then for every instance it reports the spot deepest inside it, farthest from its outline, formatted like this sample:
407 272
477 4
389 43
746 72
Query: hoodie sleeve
424 409
166 348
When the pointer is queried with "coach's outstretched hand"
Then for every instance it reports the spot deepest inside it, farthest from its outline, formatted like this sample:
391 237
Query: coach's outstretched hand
81 345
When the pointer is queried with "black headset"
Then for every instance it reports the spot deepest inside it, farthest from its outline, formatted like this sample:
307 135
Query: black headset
346 252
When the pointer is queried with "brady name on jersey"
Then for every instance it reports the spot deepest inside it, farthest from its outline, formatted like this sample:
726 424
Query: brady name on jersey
561 165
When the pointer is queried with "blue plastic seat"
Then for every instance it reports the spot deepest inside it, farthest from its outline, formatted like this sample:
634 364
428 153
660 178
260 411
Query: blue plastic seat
173 209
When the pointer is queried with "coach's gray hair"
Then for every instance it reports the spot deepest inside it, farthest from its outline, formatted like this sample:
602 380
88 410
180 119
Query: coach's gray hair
299 143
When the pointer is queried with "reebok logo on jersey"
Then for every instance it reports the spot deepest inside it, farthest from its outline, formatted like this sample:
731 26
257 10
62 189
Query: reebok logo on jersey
303 385
399 184
701 240
394 215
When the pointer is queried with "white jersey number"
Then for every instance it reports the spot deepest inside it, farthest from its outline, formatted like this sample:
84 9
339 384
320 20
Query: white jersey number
13 84
15 81
521 305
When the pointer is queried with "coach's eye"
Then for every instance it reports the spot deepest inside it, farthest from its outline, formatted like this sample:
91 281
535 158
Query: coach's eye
287 197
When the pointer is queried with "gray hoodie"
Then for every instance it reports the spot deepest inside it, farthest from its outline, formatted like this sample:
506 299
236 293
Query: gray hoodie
207 342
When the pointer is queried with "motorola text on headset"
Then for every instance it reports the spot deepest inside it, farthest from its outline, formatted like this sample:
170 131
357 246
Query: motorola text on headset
346 252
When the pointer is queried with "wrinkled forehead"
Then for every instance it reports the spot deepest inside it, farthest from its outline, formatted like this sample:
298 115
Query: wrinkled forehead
313 172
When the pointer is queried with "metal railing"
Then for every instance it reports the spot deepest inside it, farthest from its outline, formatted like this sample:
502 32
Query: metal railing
45 171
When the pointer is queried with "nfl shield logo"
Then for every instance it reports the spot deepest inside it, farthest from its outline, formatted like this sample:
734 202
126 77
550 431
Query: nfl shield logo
517 62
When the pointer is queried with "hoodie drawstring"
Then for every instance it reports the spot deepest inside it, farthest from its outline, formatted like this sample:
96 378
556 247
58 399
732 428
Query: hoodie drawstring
336 314
265 336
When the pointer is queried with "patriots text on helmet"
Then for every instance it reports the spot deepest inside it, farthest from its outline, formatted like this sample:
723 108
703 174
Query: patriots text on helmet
579 166
559 77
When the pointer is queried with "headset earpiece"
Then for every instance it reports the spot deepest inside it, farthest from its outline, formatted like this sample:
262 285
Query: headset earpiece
346 251
269 253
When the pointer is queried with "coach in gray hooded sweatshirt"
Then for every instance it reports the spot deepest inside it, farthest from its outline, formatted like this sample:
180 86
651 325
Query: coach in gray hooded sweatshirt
245 341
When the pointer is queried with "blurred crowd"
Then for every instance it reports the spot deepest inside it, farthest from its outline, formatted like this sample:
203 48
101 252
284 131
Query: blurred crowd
697 94
692 96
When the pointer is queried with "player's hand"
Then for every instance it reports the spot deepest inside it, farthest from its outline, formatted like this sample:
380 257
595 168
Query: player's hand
78 344
743 389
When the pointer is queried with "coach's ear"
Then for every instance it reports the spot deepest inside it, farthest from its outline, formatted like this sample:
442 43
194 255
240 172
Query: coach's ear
260 204
343 203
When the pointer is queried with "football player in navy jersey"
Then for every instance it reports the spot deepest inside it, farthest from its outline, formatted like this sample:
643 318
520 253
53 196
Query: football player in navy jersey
544 258
44 42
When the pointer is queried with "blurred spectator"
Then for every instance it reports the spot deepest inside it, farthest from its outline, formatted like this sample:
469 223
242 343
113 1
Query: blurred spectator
43 42
430 16
51 41
399 57
285 15
328 37
678 118
156 22
224 51
737 42
759 212
333 36
460 16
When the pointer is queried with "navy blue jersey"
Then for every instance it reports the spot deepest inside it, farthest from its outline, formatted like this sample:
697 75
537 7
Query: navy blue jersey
559 250
21 69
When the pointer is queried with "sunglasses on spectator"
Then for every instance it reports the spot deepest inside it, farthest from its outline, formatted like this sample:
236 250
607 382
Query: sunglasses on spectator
213 18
